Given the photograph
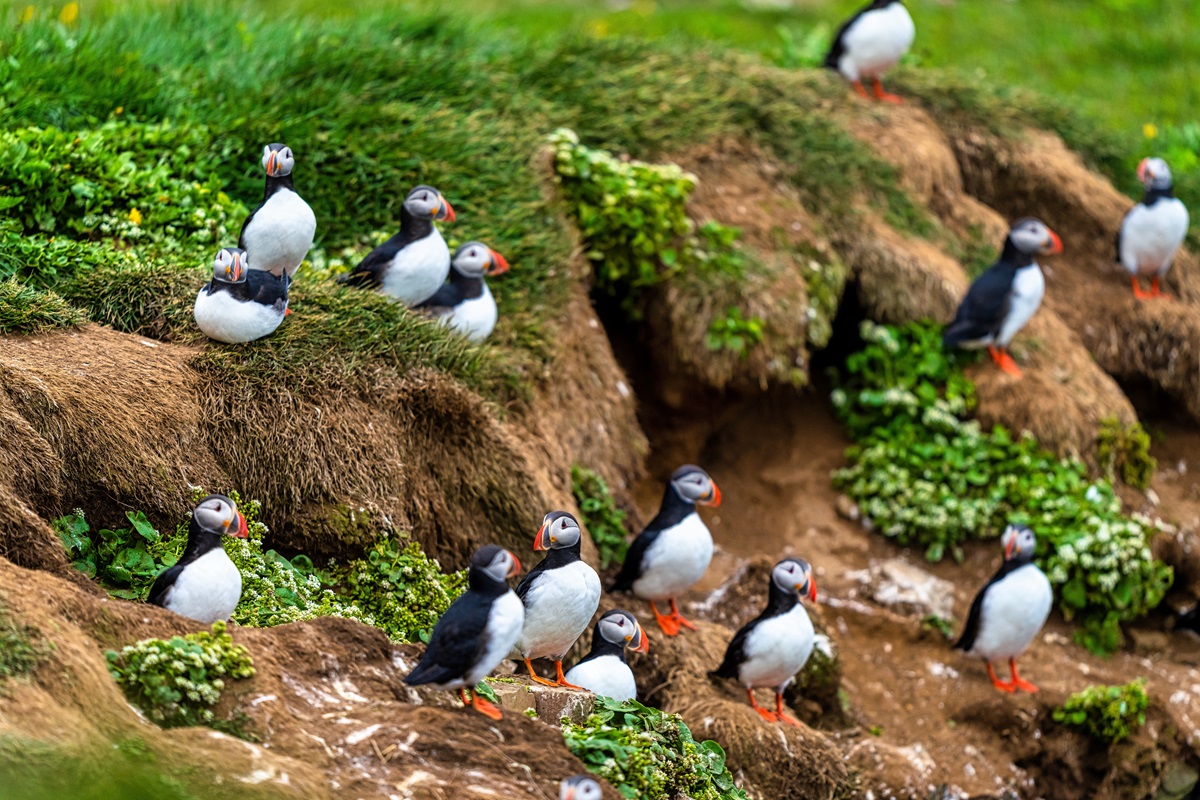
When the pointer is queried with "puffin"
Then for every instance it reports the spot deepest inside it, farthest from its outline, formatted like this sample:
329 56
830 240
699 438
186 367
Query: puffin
279 233
1005 296
674 550
560 595
477 631
770 649
240 304
1009 610
466 304
580 787
412 265
870 43
204 584
1153 230
604 670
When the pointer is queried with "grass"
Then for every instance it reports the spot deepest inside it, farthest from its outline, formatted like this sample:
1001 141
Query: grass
24 309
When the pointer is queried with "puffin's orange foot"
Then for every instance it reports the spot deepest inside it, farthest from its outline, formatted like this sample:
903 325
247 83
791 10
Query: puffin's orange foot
538 678
860 89
562 679
782 716
675 615
287 312
1137 291
669 623
1024 685
769 716
1156 289
999 684
486 708
1005 362
886 97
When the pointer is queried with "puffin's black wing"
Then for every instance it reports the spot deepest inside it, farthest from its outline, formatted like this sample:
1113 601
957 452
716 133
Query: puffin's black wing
267 289
838 48
971 631
162 585
369 272
984 307
457 640
443 300
631 570
735 653
527 582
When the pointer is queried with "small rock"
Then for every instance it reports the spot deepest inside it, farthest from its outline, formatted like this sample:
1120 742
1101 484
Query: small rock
1178 780
910 590
550 702
847 508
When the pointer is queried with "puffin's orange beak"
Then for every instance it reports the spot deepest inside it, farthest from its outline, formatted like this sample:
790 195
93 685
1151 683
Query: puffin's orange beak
1053 245
1143 170
446 212
271 159
713 499
1010 548
641 642
570 795
516 567
243 531
541 541
812 588
499 264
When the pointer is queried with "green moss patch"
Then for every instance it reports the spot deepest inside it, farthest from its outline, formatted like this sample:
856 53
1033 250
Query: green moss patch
26 310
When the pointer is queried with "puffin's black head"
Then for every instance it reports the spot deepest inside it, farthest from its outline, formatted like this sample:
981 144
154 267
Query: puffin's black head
217 514
278 160
476 259
579 787
495 562
1031 237
694 485
230 265
1154 173
1019 544
559 530
622 628
427 202
794 576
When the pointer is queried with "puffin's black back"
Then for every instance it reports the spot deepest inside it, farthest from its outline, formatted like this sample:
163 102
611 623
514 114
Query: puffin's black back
199 542
838 48
671 512
369 272
555 558
971 631
778 602
459 288
986 304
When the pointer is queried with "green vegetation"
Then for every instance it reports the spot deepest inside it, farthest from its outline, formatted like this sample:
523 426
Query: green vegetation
178 682
648 754
126 560
926 476
21 648
735 333
603 520
1106 713
24 309
1125 450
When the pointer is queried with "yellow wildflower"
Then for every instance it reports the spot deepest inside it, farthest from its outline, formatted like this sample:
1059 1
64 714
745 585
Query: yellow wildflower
1150 130
28 14
69 13
135 216
120 109
598 27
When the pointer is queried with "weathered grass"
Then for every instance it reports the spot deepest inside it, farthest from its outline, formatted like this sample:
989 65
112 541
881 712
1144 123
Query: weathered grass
26 310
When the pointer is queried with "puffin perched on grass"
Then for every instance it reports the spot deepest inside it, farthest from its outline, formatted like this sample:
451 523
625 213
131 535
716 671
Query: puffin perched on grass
240 304
560 595
412 265
580 787
604 671
870 43
1005 296
1009 610
769 650
476 632
674 550
1153 230
466 303
279 233
204 584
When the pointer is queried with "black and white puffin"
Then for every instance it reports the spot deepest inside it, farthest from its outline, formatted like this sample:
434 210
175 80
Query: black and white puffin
279 233
240 304
466 303
1153 230
769 650
870 43
604 671
1005 296
477 631
560 594
412 265
204 584
1009 610
580 787
675 549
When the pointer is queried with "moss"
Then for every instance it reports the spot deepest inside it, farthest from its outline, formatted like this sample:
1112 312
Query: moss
26 310
1106 713
604 522
21 648
825 277
1125 449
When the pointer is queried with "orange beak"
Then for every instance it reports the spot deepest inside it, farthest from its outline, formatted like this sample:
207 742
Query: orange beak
643 641
446 212
713 499
542 540
516 567
1010 548
812 588
271 159
237 268
570 795
499 264
243 531
1054 245
1143 172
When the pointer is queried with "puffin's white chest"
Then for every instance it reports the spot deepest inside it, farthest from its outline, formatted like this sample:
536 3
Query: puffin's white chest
223 317
607 676
503 628
418 270
876 41
677 559
1014 610
281 233
206 590
1029 286
558 608
474 318
1151 235
776 649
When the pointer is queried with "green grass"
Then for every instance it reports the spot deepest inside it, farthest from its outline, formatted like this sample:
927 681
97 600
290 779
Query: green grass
24 309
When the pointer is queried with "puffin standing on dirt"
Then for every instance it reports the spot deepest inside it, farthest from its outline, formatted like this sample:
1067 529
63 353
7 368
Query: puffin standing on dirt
240 304
870 43
1153 230
412 265
204 584
466 303
580 787
769 650
1009 610
1005 296
674 550
560 595
604 671
476 632
279 233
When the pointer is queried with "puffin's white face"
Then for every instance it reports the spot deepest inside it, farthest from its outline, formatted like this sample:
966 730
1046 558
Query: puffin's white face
559 529
622 628
580 787
278 160
230 265
217 514
794 575
476 259
1019 543
427 202
694 484
498 563
1154 173
1032 237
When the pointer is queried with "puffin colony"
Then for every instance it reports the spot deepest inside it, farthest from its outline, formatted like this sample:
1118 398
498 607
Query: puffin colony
555 603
